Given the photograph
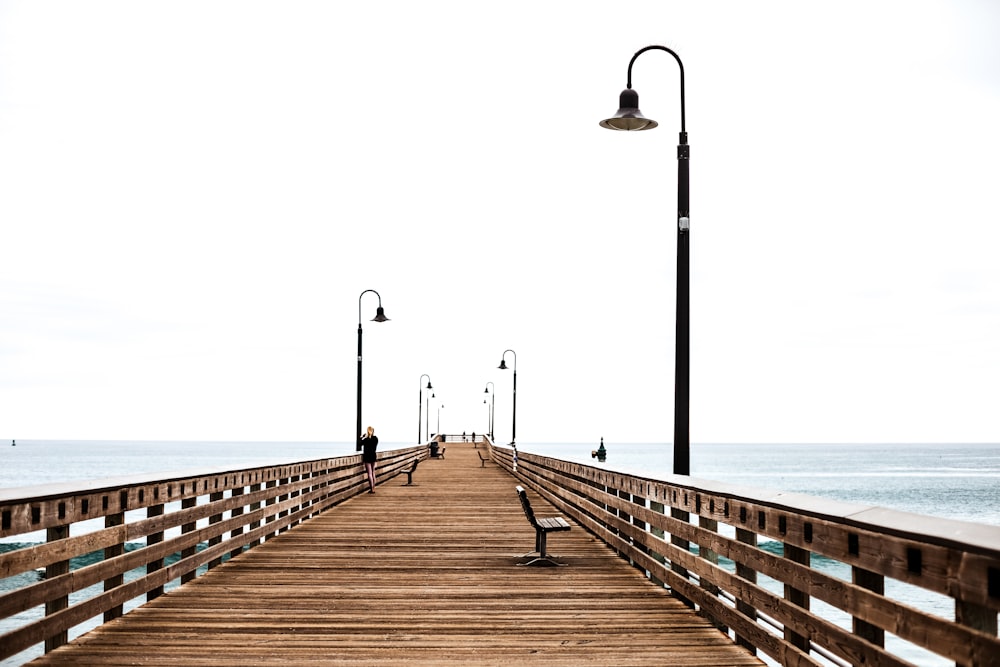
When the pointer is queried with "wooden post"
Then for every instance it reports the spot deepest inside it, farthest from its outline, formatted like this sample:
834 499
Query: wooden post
282 498
712 557
639 523
236 532
682 544
215 518
294 494
876 583
154 538
796 597
658 532
190 527
976 616
56 604
254 488
622 514
270 518
113 551
746 537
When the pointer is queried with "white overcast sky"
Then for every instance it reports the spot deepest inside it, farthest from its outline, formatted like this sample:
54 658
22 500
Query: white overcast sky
193 195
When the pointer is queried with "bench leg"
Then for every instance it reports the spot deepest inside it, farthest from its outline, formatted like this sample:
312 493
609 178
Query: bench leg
409 477
542 559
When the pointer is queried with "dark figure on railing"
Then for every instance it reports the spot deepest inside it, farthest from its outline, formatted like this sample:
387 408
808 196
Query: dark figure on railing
601 454
370 442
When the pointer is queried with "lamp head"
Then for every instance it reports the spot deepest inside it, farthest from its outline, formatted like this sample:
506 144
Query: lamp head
503 365
629 117
429 385
380 315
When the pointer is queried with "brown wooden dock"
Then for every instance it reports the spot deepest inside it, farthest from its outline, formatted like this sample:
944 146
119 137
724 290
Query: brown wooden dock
421 574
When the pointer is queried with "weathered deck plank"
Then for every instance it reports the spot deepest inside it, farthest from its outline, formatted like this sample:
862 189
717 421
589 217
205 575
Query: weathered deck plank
421 574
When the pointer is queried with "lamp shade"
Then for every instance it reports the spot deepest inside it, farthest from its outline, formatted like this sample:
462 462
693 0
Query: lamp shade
503 365
628 117
380 315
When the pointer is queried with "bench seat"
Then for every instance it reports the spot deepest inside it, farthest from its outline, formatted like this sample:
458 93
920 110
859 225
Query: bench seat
543 526
409 473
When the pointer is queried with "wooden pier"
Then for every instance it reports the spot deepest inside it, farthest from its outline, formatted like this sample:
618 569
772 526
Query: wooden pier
415 574
295 563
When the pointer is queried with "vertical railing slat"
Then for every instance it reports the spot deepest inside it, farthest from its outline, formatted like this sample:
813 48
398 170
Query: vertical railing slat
56 604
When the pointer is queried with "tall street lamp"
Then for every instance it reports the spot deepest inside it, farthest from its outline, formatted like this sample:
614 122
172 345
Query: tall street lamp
503 367
439 420
379 317
493 404
630 118
420 403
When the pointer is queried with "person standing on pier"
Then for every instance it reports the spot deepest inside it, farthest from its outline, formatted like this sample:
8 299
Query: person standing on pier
370 442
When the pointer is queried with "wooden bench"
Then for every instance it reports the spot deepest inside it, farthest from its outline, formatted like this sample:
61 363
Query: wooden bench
482 459
542 527
409 473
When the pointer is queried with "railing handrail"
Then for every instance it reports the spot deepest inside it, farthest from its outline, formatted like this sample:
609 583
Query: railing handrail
649 521
222 512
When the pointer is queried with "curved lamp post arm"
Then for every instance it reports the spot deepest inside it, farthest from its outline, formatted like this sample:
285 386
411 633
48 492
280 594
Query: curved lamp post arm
679 64
379 313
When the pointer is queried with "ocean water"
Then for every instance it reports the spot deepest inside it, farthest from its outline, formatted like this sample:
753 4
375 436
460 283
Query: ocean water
33 462
955 481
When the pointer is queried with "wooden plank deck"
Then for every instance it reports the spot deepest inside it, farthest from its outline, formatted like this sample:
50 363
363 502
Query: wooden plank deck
415 575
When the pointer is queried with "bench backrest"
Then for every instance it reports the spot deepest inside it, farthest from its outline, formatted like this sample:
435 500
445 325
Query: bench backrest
523 495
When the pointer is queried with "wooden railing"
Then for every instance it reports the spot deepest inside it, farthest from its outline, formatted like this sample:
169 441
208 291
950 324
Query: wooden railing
156 531
704 540
463 437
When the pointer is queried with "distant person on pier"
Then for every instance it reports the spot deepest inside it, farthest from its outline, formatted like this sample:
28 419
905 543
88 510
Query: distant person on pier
370 442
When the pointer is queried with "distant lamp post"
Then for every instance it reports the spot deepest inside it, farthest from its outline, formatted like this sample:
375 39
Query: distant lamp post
420 401
493 404
379 317
503 367
439 420
427 417
630 118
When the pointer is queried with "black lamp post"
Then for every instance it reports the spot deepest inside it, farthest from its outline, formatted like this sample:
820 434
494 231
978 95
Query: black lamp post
630 118
493 404
503 367
427 417
379 317
420 403
439 419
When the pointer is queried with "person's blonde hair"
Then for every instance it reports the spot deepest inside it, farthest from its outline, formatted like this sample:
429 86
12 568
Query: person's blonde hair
371 431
